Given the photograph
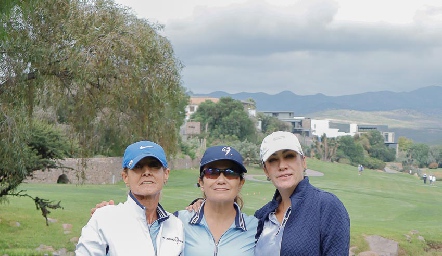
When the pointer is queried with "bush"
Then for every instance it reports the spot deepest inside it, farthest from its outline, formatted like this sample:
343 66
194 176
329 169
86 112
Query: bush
433 165
344 161
373 163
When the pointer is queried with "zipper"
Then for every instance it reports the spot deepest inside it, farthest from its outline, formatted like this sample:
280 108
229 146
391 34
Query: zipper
215 252
216 248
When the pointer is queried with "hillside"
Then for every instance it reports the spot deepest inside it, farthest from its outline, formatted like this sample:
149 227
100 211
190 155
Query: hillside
419 127
416 114
425 100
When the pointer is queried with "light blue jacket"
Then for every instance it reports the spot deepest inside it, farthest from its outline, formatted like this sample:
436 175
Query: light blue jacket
239 239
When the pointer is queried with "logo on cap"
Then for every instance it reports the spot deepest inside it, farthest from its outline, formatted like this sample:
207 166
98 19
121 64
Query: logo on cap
226 150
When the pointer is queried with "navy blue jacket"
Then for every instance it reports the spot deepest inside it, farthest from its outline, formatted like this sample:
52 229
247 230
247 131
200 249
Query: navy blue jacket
318 224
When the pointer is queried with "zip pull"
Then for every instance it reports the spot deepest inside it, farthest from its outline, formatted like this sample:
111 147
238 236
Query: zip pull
216 250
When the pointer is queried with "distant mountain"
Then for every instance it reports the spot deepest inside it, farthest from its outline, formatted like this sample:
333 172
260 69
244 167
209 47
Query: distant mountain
427 99
416 115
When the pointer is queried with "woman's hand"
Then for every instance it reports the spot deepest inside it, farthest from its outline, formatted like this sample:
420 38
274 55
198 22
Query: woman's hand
102 204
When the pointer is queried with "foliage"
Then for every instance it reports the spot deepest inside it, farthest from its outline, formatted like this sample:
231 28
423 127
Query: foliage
433 165
249 151
325 148
110 78
189 147
39 145
48 144
15 158
383 153
435 155
271 124
227 118
376 147
373 163
419 154
348 148
404 144
41 204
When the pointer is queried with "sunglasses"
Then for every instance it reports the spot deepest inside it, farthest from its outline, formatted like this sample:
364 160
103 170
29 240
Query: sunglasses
214 173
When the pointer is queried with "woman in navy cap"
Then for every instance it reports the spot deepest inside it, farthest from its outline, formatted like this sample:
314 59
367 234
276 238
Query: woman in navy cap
219 227
139 226
300 219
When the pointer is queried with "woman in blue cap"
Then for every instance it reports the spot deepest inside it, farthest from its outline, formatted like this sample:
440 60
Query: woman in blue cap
139 226
219 227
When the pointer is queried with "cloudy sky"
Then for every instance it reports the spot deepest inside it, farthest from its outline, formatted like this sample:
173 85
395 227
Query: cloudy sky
333 47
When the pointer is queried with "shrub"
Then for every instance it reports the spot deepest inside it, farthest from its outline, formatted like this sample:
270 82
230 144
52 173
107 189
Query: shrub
373 163
433 165
344 160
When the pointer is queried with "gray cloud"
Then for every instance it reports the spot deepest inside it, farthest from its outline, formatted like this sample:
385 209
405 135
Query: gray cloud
255 47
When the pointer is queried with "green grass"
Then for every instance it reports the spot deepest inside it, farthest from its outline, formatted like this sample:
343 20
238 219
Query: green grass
389 205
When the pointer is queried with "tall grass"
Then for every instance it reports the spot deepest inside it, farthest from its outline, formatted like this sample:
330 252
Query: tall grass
389 205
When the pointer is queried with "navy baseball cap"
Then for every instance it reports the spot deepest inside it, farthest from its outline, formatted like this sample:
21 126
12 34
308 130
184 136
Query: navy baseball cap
216 153
139 150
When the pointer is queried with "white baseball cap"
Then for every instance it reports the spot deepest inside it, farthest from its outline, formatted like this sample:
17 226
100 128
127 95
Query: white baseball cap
278 141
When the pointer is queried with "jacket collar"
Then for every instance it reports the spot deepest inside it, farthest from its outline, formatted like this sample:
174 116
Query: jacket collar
162 214
239 219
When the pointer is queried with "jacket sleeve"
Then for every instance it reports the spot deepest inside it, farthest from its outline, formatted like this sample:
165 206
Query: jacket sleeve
335 228
92 240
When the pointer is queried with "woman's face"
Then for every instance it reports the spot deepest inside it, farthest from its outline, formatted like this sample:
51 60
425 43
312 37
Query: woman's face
221 186
285 168
147 178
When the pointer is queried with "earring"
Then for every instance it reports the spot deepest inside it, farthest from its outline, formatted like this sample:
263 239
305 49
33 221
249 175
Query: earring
165 182
268 178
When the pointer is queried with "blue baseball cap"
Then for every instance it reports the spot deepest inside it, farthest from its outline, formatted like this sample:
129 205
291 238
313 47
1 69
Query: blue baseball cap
139 150
216 153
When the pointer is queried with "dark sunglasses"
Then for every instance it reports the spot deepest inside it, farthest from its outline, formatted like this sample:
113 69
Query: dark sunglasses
214 173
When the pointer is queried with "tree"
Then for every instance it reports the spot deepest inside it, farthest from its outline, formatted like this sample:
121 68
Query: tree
325 148
404 144
376 147
111 76
419 154
271 124
348 148
38 150
227 118
435 155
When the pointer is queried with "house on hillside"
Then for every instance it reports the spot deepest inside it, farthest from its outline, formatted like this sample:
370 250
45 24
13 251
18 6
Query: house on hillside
307 127
191 128
194 102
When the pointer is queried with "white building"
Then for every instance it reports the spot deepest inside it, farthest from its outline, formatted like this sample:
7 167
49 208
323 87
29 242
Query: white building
320 127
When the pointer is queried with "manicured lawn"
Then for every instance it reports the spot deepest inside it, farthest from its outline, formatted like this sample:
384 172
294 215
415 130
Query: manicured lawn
389 205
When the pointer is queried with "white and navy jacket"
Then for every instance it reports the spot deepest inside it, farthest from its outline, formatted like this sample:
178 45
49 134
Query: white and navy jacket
123 230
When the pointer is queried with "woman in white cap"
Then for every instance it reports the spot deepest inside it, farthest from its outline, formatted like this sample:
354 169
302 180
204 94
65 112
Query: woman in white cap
219 227
300 219
139 226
